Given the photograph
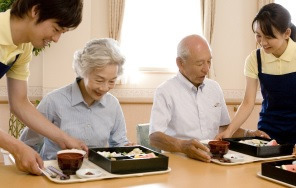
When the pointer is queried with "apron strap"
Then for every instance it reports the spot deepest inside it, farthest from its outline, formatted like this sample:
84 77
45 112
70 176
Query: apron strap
5 68
258 60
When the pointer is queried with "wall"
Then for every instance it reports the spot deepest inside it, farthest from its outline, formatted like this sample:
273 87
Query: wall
233 40
57 60
232 33
136 113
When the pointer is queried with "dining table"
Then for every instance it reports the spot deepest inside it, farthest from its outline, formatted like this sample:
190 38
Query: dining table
185 172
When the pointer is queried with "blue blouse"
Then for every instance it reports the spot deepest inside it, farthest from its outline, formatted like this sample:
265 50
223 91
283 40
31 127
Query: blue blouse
100 125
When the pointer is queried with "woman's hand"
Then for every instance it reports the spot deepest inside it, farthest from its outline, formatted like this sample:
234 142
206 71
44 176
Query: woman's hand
68 142
224 134
131 144
253 133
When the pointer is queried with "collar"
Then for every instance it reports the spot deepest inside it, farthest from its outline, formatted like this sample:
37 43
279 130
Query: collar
78 98
286 56
5 32
187 83
289 52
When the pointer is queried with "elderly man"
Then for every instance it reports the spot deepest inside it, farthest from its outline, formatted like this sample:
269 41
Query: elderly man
190 107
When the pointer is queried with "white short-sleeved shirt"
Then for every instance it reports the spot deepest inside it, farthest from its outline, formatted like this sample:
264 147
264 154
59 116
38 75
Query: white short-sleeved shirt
183 111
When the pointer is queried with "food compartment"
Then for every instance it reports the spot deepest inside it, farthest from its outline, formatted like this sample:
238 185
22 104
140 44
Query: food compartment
126 162
262 150
275 171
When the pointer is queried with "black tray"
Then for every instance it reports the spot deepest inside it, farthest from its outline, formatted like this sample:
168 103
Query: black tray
262 151
126 165
270 170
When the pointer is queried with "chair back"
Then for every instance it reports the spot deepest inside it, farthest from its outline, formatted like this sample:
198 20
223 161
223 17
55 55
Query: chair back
15 126
143 136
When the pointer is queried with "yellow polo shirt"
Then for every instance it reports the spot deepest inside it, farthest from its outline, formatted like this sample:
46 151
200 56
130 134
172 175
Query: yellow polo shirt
8 51
286 63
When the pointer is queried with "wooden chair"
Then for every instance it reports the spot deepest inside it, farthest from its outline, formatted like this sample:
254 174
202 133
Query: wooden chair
15 126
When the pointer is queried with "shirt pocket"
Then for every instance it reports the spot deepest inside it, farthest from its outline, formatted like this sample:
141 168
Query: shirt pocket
214 115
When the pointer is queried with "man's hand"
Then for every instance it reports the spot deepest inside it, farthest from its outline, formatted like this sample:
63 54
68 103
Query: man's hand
26 159
196 150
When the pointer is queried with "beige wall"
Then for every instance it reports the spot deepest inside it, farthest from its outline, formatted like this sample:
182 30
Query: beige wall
57 60
137 113
233 40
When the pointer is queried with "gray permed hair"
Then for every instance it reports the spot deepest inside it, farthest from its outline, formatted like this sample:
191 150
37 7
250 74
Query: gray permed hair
98 53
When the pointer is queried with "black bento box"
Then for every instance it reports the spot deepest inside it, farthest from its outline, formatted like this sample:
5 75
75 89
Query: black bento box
259 151
270 170
125 165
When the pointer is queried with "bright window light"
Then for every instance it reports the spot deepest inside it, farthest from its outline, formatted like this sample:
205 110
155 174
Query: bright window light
290 6
152 29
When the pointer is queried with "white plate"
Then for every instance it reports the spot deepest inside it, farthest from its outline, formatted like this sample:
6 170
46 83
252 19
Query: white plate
82 173
234 158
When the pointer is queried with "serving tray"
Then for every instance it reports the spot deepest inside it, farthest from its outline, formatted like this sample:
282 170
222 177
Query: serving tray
249 159
89 165
271 170
275 181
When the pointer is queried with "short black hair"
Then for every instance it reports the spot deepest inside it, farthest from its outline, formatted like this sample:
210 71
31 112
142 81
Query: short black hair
68 13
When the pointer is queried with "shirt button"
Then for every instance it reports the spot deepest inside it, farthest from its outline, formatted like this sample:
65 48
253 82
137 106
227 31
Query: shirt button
88 125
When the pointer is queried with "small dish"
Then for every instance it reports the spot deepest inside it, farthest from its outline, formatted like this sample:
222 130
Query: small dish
88 173
234 158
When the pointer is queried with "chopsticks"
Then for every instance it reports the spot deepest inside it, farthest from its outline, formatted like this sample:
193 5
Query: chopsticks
46 171
58 172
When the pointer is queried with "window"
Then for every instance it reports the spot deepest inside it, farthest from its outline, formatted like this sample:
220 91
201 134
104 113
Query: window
290 6
152 29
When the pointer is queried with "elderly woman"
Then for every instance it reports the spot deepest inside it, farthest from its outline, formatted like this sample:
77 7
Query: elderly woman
85 109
